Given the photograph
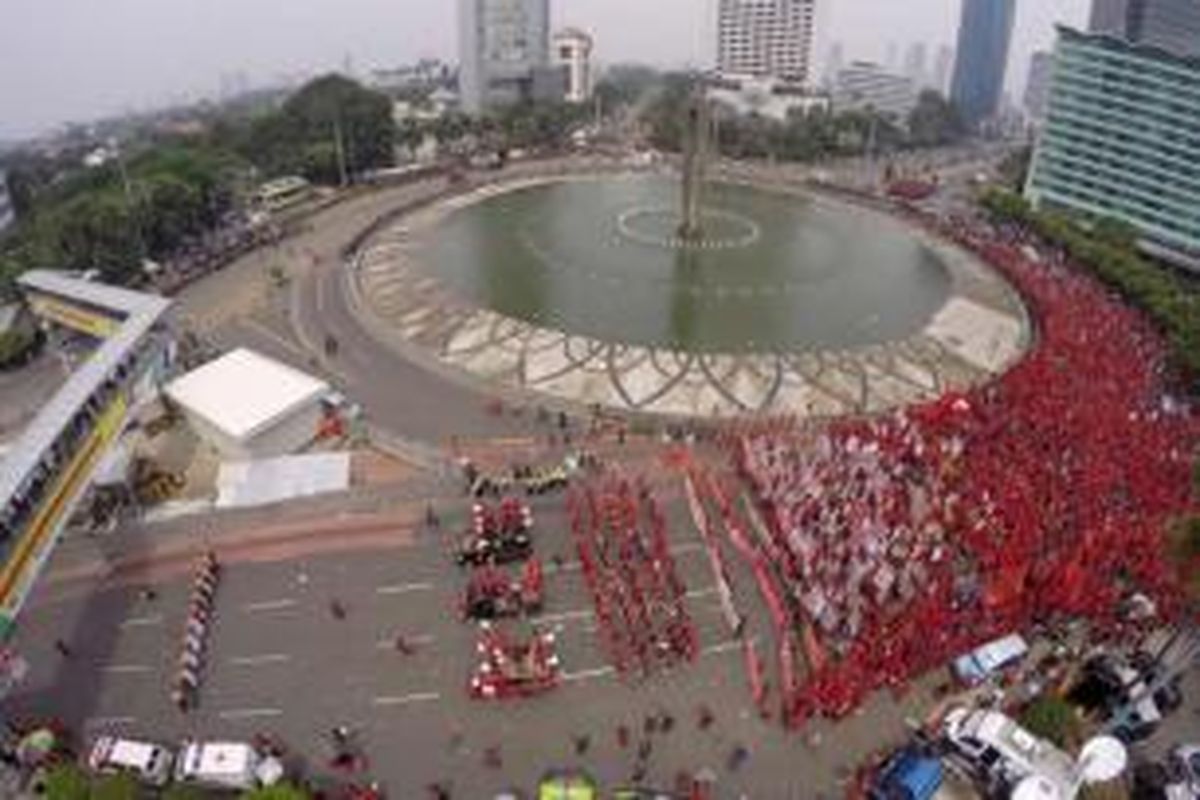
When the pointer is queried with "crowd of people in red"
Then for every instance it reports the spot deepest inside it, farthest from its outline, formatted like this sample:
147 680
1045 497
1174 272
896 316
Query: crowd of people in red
621 536
907 539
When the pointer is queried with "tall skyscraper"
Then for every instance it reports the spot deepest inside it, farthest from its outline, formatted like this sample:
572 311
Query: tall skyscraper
573 52
1173 25
766 38
942 66
914 64
834 62
1037 87
984 32
504 52
1120 140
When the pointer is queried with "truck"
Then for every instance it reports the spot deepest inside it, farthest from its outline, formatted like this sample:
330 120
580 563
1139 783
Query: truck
908 774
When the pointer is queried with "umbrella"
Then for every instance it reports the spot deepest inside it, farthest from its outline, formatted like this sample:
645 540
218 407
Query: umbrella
37 746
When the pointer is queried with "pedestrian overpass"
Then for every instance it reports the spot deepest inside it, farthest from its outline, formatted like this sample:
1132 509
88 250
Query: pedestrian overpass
51 464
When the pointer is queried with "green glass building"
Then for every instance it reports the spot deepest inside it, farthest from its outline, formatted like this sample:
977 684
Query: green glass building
1122 139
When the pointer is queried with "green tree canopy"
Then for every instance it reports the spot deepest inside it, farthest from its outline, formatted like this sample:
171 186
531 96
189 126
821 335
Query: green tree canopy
280 791
1054 719
119 786
66 782
305 134
934 121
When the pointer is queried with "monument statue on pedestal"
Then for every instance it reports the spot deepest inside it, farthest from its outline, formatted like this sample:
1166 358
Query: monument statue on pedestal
695 160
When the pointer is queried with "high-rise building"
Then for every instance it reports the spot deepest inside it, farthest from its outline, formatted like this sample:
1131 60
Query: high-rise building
984 32
504 52
1173 25
766 38
914 64
573 53
863 85
1037 87
834 62
942 66
1120 140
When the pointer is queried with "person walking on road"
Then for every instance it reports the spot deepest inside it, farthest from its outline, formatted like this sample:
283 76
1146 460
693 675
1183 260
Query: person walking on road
337 610
62 648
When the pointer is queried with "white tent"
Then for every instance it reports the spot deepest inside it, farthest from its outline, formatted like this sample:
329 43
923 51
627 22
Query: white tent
249 406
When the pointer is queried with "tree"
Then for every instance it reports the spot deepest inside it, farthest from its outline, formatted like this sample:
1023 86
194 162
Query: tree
1014 169
280 791
1054 719
1116 233
934 121
626 85
118 786
184 791
66 782
335 109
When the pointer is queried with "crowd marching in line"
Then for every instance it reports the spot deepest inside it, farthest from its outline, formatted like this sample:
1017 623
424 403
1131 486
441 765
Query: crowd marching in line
906 539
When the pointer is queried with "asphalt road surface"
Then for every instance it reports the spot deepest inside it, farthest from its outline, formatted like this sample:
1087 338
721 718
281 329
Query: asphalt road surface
279 662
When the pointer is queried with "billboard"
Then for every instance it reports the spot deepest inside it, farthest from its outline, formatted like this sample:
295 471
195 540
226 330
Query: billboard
71 316
36 542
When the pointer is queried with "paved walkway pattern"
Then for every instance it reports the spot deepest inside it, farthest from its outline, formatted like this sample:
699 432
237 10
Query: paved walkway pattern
980 331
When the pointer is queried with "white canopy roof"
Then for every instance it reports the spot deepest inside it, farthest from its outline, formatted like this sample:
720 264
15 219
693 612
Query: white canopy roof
243 392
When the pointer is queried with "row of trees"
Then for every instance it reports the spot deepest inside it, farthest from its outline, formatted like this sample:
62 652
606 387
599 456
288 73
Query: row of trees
114 217
526 126
69 782
328 131
803 136
1108 248
168 193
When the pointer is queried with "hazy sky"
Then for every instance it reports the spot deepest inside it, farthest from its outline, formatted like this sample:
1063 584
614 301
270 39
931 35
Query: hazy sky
78 59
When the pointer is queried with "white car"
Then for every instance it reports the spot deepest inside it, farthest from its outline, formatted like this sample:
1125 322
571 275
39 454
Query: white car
150 763
226 765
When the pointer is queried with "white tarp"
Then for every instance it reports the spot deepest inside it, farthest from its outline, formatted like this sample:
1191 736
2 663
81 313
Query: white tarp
272 480
243 393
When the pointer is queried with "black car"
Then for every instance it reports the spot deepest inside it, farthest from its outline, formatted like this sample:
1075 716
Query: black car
501 548
1110 685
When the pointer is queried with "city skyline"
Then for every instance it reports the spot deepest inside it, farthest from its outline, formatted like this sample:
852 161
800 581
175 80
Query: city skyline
79 62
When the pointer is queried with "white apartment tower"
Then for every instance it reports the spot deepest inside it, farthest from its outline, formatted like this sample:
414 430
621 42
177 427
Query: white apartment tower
573 53
766 38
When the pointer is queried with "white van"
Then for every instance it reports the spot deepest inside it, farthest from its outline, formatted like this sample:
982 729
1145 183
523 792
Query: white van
150 763
226 765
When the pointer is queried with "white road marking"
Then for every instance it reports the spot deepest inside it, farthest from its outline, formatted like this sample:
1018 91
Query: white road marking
251 661
404 588
587 674
250 713
390 644
269 605
141 622
724 647
127 668
104 722
403 700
